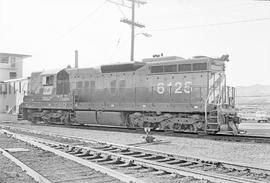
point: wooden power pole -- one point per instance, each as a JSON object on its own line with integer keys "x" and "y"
{"x": 133, "y": 24}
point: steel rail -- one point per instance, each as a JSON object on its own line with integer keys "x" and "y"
{"x": 32, "y": 173}
{"x": 33, "y": 141}
{"x": 180, "y": 170}
{"x": 216, "y": 137}
{"x": 134, "y": 148}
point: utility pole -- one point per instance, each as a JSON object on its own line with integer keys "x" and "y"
{"x": 133, "y": 25}
{"x": 132, "y": 30}
{"x": 131, "y": 22}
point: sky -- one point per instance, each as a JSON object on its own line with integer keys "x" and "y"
{"x": 51, "y": 30}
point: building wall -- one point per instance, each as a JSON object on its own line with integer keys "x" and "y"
{"x": 13, "y": 64}
{"x": 12, "y": 93}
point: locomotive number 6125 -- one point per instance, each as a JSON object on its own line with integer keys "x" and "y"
{"x": 175, "y": 87}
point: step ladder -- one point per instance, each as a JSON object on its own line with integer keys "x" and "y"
{"x": 213, "y": 101}
{"x": 212, "y": 124}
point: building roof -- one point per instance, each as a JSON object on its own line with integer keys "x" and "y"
{"x": 15, "y": 55}
{"x": 13, "y": 80}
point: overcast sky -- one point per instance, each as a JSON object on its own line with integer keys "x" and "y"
{"x": 50, "y": 31}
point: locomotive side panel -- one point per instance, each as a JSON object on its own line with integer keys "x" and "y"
{"x": 126, "y": 90}
{"x": 181, "y": 92}
{"x": 141, "y": 91}
{"x": 110, "y": 118}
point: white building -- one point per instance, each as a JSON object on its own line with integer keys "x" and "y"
{"x": 11, "y": 66}
{"x": 12, "y": 86}
{"x": 12, "y": 93}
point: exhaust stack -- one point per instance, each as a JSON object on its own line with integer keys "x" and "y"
{"x": 76, "y": 59}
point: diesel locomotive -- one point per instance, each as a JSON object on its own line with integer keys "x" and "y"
{"x": 163, "y": 93}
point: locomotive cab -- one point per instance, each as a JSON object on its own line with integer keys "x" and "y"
{"x": 194, "y": 88}
{"x": 49, "y": 97}
{"x": 220, "y": 113}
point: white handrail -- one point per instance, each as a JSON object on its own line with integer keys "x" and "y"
{"x": 208, "y": 96}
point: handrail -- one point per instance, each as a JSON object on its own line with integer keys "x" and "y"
{"x": 220, "y": 80}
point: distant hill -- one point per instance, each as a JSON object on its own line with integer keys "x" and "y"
{"x": 253, "y": 95}
{"x": 254, "y": 90}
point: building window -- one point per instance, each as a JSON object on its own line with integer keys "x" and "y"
{"x": 9, "y": 88}
{"x": 5, "y": 88}
{"x": 4, "y": 60}
{"x": 13, "y": 62}
{"x": 12, "y": 75}
{"x": 20, "y": 87}
{"x": 14, "y": 87}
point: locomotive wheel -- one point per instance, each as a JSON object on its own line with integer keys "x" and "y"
{"x": 66, "y": 119}
{"x": 190, "y": 128}
{"x": 166, "y": 125}
{"x": 33, "y": 119}
{"x": 177, "y": 127}
{"x": 158, "y": 126}
{"x": 198, "y": 126}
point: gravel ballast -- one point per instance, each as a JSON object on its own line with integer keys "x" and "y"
{"x": 251, "y": 154}
{"x": 49, "y": 165}
{"x": 12, "y": 173}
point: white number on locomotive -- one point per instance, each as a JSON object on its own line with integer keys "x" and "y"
{"x": 179, "y": 88}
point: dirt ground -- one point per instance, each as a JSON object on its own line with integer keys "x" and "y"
{"x": 253, "y": 128}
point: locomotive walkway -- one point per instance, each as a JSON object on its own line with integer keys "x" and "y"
{"x": 156, "y": 165}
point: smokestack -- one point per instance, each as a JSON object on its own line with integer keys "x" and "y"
{"x": 76, "y": 59}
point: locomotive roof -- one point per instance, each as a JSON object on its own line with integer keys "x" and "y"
{"x": 191, "y": 60}
{"x": 91, "y": 69}
{"x": 167, "y": 60}
{"x": 158, "y": 59}
{"x": 51, "y": 72}
{"x": 122, "y": 67}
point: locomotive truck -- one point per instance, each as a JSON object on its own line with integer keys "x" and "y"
{"x": 163, "y": 93}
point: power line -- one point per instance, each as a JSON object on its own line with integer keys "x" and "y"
{"x": 212, "y": 25}
{"x": 131, "y": 22}
{"x": 84, "y": 19}
{"x": 118, "y": 6}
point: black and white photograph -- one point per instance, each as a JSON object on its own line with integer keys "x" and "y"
{"x": 134, "y": 91}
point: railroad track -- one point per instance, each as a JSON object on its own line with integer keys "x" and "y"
{"x": 46, "y": 167}
{"x": 132, "y": 160}
{"x": 216, "y": 137}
